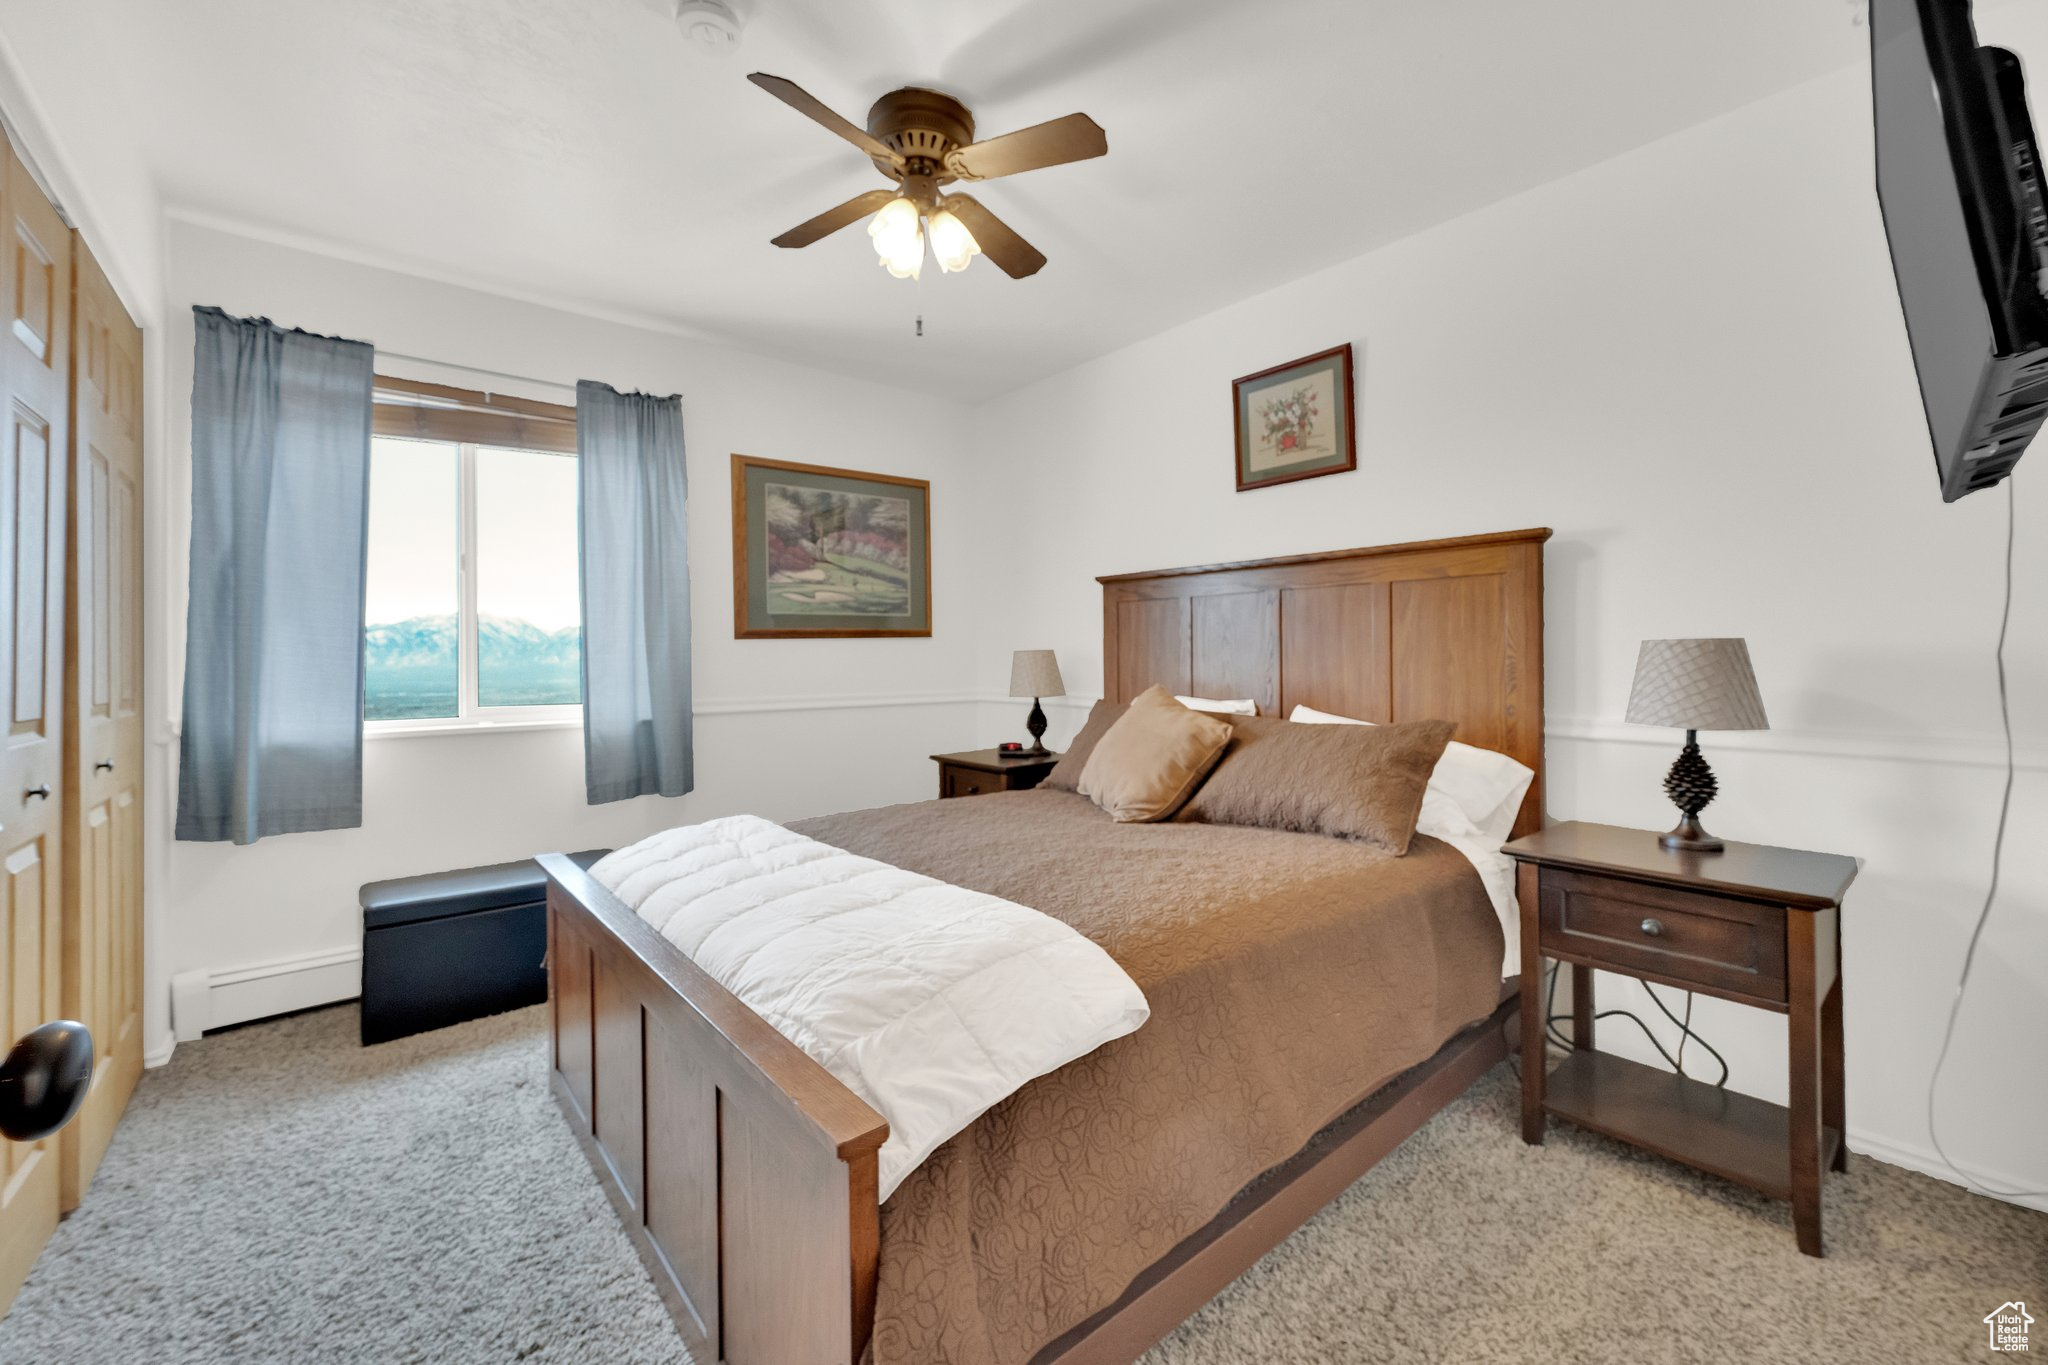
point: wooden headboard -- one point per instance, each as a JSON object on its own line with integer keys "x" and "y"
{"x": 1436, "y": 629}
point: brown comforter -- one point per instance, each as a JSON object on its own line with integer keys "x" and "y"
{"x": 1289, "y": 976}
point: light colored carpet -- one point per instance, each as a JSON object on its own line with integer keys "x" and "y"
{"x": 280, "y": 1194}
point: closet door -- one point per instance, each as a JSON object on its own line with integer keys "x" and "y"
{"x": 35, "y": 348}
{"x": 103, "y": 713}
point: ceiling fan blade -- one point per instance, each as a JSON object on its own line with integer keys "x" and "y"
{"x": 831, "y": 220}
{"x": 1011, "y": 253}
{"x": 1073, "y": 138}
{"x": 801, "y": 100}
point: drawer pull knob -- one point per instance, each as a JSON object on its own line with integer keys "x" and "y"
{"x": 1654, "y": 927}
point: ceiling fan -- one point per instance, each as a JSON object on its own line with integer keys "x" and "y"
{"x": 924, "y": 140}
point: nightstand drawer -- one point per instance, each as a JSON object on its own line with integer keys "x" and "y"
{"x": 968, "y": 781}
{"x": 1712, "y": 941}
{"x": 981, "y": 771}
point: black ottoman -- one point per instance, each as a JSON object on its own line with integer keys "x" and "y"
{"x": 451, "y": 946}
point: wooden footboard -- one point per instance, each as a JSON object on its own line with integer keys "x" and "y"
{"x": 743, "y": 1171}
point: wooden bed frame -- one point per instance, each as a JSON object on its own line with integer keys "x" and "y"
{"x": 745, "y": 1173}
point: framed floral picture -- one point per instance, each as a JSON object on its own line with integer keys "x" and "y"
{"x": 828, "y": 553}
{"x": 1294, "y": 420}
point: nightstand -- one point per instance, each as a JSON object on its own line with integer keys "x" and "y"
{"x": 990, "y": 770}
{"x": 1754, "y": 924}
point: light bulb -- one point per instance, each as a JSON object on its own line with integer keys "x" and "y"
{"x": 907, "y": 261}
{"x": 896, "y": 221}
{"x": 898, "y": 238}
{"x": 952, "y": 244}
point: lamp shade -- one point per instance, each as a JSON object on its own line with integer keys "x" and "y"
{"x": 1035, "y": 673}
{"x": 1696, "y": 685}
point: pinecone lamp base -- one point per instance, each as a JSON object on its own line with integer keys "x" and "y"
{"x": 1035, "y": 723}
{"x": 1689, "y": 836}
{"x": 1690, "y": 785}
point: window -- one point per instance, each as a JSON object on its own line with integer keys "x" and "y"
{"x": 529, "y": 609}
{"x": 472, "y": 607}
{"x": 412, "y": 597}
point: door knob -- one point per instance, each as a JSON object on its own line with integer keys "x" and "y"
{"x": 44, "y": 1080}
{"x": 105, "y": 765}
{"x": 40, "y": 792}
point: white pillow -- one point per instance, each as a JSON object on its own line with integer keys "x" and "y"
{"x": 1242, "y": 706}
{"x": 1485, "y": 786}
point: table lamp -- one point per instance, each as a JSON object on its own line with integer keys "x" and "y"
{"x": 1034, "y": 673}
{"x": 1694, "y": 685}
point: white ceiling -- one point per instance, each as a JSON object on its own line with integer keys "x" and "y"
{"x": 582, "y": 151}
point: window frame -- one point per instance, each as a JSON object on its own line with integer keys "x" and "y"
{"x": 471, "y": 421}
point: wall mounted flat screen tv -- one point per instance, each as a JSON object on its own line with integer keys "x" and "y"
{"x": 1960, "y": 187}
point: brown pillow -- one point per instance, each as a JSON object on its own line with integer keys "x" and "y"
{"x": 1066, "y": 774}
{"x": 1145, "y": 765}
{"x": 1356, "y": 781}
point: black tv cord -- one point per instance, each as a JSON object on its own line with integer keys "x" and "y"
{"x": 1685, "y": 1029}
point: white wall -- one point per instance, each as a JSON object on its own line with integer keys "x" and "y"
{"x": 785, "y": 727}
{"x": 79, "y": 137}
{"x": 1689, "y": 361}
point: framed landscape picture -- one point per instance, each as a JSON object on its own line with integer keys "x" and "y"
{"x": 1294, "y": 420}
{"x": 820, "y": 553}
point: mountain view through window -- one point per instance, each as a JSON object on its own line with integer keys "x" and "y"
{"x": 526, "y": 631}
{"x": 529, "y": 644}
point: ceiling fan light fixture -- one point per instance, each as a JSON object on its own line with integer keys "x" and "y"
{"x": 953, "y": 246}
{"x": 898, "y": 235}
{"x": 923, "y": 140}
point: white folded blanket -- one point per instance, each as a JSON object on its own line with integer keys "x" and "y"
{"x": 929, "y": 1001}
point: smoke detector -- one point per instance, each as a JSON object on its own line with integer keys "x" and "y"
{"x": 710, "y": 25}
